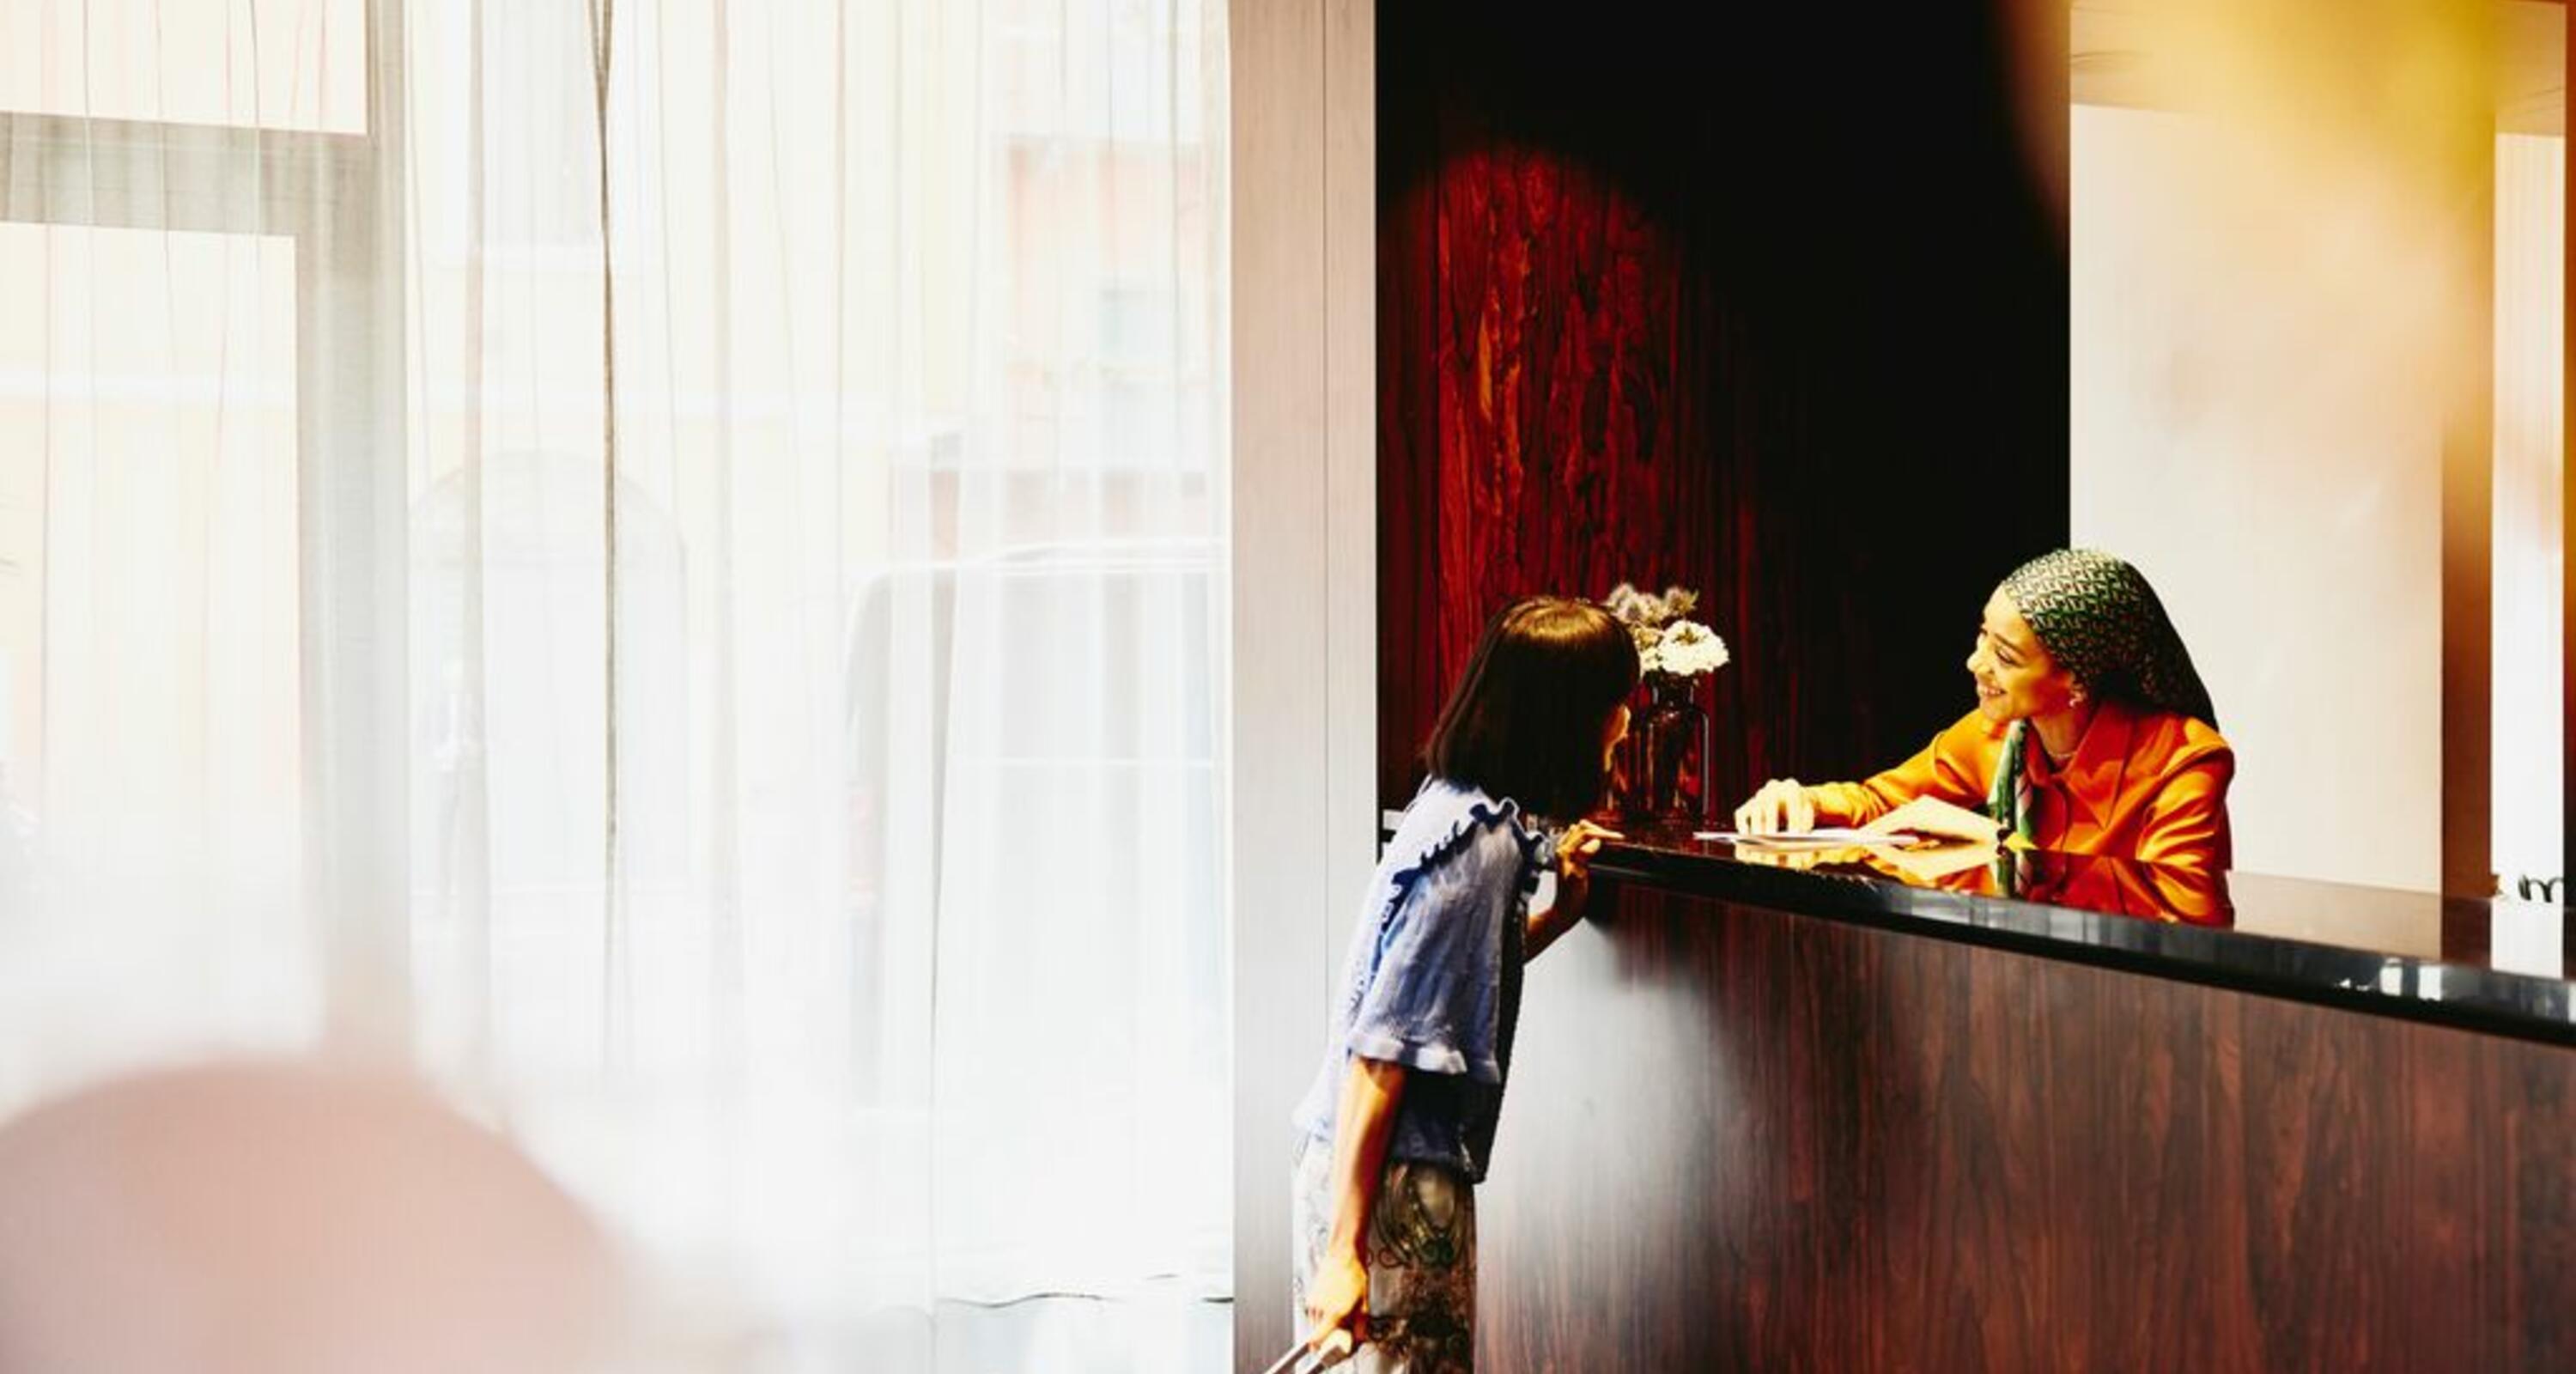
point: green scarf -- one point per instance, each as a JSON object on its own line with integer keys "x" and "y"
{"x": 2101, "y": 621}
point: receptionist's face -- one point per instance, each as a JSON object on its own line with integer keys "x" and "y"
{"x": 2015, "y": 677}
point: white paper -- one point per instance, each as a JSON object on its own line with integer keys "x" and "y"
{"x": 1812, "y": 839}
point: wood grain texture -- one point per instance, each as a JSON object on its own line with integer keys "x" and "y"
{"x": 1745, "y": 1139}
{"x": 1685, "y": 309}
{"x": 1300, "y": 843}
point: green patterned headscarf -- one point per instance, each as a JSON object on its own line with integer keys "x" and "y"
{"x": 2101, "y": 621}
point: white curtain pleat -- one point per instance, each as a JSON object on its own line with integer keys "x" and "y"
{"x": 827, "y": 890}
{"x": 153, "y": 542}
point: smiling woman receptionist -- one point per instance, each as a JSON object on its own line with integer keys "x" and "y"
{"x": 2092, "y": 733}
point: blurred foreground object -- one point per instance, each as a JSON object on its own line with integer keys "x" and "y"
{"x": 280, "y": 1218}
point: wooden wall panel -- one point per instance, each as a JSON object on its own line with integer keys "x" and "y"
{"x": 1760, "y": 310}
{"x": 1303, "y": 776}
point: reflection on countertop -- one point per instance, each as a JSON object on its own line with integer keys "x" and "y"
{"x": 2499, "y": 965}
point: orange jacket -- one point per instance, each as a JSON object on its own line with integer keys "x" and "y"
{"x": 2145, "y": 785}
{"x": 2086, "y": 882}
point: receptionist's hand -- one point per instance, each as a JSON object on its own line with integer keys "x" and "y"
{"x": 1801, "y": 860}
{"x": 1937, "y": 821}
{"x": 1783, "y": 807}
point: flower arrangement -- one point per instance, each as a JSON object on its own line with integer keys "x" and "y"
{"x": 1662, "y": 768}
{"x": 1669, "y": 643}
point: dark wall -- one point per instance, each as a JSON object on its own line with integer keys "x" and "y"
{"x": 1775, "y": 310}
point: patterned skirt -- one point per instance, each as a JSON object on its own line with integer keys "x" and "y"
{"x": 1421, "y": 1262}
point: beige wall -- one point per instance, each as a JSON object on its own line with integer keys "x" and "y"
{"x": 2530, "y": 543}
{"x": 2252, "y": 428}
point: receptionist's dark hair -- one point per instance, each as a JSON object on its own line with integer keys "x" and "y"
{"x": 1525, "y": 719}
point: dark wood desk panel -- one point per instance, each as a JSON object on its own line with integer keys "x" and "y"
{"x": 1740, "y": 1138}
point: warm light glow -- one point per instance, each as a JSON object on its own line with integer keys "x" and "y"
{"x": 2278, "y": 289}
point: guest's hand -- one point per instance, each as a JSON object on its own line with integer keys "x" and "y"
{"x": 1337, "y": 1300}
{"x": 1575, "y": 848}
{"x": 1574, "y": 851}
{"x": 1784, "y": 806}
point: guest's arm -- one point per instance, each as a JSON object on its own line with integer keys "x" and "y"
{"x": 1338, "y": 1295}
{"x": 1574, "y": 851}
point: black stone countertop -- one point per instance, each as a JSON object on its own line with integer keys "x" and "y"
{"x": 2500, "y": 967}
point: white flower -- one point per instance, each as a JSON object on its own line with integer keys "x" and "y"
{"x": 1631, "y": 606}
{"x": 1687, "y": 649}
{"x": 1666, "y": 641}
{"x": 1646, "y": 608}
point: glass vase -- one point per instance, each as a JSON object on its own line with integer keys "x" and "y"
{"x": 1667, "y": 770}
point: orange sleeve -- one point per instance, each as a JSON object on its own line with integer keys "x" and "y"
{"x": 2186, "y": 823}
{"x": 1951, "y": 768}
{"x": 2196, "y": 895}
{"x": 2112, "y": 884}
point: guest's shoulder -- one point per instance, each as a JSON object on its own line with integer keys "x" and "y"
{"x": 1449, "y": 820}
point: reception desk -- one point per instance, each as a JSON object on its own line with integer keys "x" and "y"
{"x": 1772, "y": 1118}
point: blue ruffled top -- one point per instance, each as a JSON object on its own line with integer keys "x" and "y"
{"x": 1433, "y": 977}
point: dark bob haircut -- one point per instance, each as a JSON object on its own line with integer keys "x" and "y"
{"x": 1525, "y": 719}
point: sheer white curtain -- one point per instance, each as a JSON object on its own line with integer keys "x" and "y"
{"x": 182, "y": 255}
{"x": 688, "y": 604}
